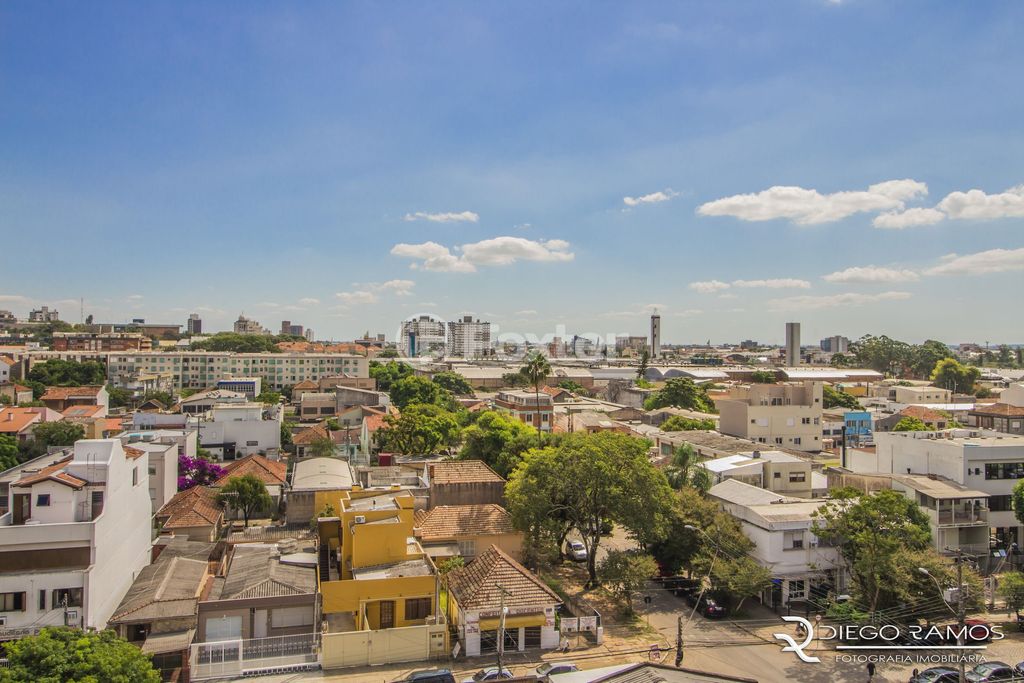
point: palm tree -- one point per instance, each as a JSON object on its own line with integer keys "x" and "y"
{"x": 683, "y": 470}
{"x": 536, "y": 370}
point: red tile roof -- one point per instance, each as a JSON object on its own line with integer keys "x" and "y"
{"x": 133, "y": 453}
{"x": 16, "y": 420}
{"x": 999, "y": 410}
{"x": 462, "y": 472}
{"x": 924, "y": 414}
{"x": 476, "y": 586}
{"x": 64, "y": 393}
{"x": 311, "y": 434}
{"x": 54, "y": 472}
{"x": 195, "y": 507}
{"x": 82, "y": 411}
{"x": 448, "y": 521}
{"x": 305, "y": 384}
{"x": 270, "y": 472}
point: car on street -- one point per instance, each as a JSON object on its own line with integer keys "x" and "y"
{"x": 429, "y": 676}
{"x": 576, "y": 550}
{"x": 490, "y": 674}
{"x": 937, "y": 674}
{"x": 554, "y": 668}
{"x": 987, "y": 672}
{"x": 706, "y": 606}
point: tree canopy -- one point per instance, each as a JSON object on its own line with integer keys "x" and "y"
{"x": 68, "y": 373}
{"x": 239, "y": 343}
{"x": 453, "y": 382}
{"x": 197, "y": 472}
{"x": 681, "y": 392}
{"x": 681, "y": 423}
{"x": 8, "y": 452}
{"x": 421, "y": 429}
{"x": 953, "y": 375}
{"x": 388, "y": 373}
{"x": 834, "y": 398}
{"x": 62, "y": 655}
{"x": 414, "y": 389}
{"x": 247, "y": 494}
{"x": 910, "y": 424}
{"x": 499, "y": 440}
{"x": 57, "y": 433}
{"x": 624, "y": 573}
{"x": 683, "y": 470}
{"x": 763, "y": 377}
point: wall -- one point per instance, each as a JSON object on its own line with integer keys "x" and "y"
{"x": 362, "y": 648}
{"x": 472, "y": 493}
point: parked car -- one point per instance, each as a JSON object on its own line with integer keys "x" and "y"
{"x": 429, "y": 676}
{"x": 490, "y": 674}
{"x": 706, "y": 606}
{"x": 992, "y": 671}
{"x": 576, "y": 550}
{"x": 553, "y": 668}
{"x": 938, "y": 674}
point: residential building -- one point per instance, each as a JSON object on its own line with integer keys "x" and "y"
{"x": 162, "y": 458}
{"x": 247, "y": 326}
{"x": 77, "y": 534}
{"x": 835, "y": 344}
{"x": 139, "y": 384}
{"x": 101, "y": 341}
{"x": 989, "y": 464}
{"x": 793, "y": 355}
{"x": 273, "y": 474}
{"x": 536, "y": 410}
{"x": 231, "y": 431}
{"x": 314, "y": 477}
{"x": 19, "y": 421}
{"x": 775, "y": 471}
{"x": 203, "y": 369}
{"x": 376, "y": 582}
{"x": 43, "y": 315}
{"x": 7, "y": 318}
{"x": 629, "y": 345}
{"x": 423, "y": 336}
{"x": 62, "y": 398}
{"x": 194, "y": 325}
{"x": 294, "y": 330}
{"x": 802, "y": 565}
{"x": 921, "y": 395}
{"x": 468, "y": 338}
{"x": 204, "y": 401}
{"x": 250, "y": 387}
{"x": 933, "y": 419}
{"x": 776, "y": 414}
{"x": 5, "y": 369}
{"x": 494, "y": 583}
{"x": 16, "y": 393}
{"x": 655, "y": 335}
{"x": 463, "y": 482}
{"x": 194, "y": 514}
{"x": 467, "y": 530}
{"x": 309, "y": 334}
{"x": 1000, "y": 417}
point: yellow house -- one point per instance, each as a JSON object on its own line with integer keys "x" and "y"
{"x": 379, "y": 589}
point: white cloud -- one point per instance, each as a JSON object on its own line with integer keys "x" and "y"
{"x": 135, "y": 297}
{"x": 686, "y": 313}
{"x": 13, "y": 299}
{"x": 811, "y": 303}
{"x": 652, "y": 198}
{"x": 446, "y": 217}
{"x": 528, "y": 311}
{"x": 810, "y": 207}
{"x": 709, "y": 286}
{"x": 370, "y": 292}
{"x": 872, "y": 274}
{"x": 779, "y": 283}
{"x": 911, "y": 218}
{"x": 309, "y": 301}
{"x": 497, "y": 251}
{"x": 981, "y": 263}
{"x": 975, "y": 204}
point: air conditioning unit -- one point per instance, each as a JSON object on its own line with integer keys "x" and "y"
{"x": 360, "y": 519}
{"x": 3, "y": 621}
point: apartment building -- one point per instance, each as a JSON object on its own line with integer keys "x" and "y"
{"x": 775, "y": 471}
{"x": 232, "y": 431}
{"x": 249, "y": 326}
{"x": 77, "y": 534}
{"x": 201, "y": 369}
{"x": 62, "y": 398}
{"x": 787, "y": 415}
{"x": 989, "y": 464}
{"x": 468, "y": 338}
{"x": 251, "y": 387}
{"x": 101, "y": 341}
{"x": 421, "y": 336}
{"x": 536, "y": 410}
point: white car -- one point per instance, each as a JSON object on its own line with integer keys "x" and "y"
{"x": 576, "y": 550}
{"x": 491, "y": 674}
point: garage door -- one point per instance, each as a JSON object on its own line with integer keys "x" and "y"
{"x": 223, "y": 628}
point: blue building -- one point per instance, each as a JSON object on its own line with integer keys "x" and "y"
{"x": 858, "y": 428}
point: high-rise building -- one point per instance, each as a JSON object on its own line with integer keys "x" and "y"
{"x": 422, "y": 335}
{"x": 43, "y": 315}
{"x": 792, "y": 344}
{"x": 835, "y": 344}
{"x": 194, "y": 324}
{"x": 246, "y": 326}
{"x": 655, "y": 335}
{"x": 288, "y": 329}
{"x": 468, "y": 338}
{"x": 308, "y": 334}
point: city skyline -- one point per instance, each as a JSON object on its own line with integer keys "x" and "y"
{"x": 849, "y": 165}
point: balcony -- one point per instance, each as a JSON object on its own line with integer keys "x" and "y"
{"x": 972, "y": 517}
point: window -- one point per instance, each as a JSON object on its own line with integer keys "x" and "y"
{"x": 72, "y": 595}
{"x": 797, "y": 589}
{"x": 1004, "y": 470}
{"x": 12, "y": 602}
{"x": 778, "y": 440}
{"x": 805, "y": 420}
{"x": 467, "y": 548}
{"x": 252, "y": 443}
{"x": 796, "y": 440}
{"x": 417, "y": 608}
{"x": 793, "y": 540}
{"x": 43, "y": 500}
{"x": 135, "y": 476}
{"x": 796, "y": 477}
{"x": 1000, "y": 503}
{"x": 42, "y": 601}
{"x": 777, "y": 475}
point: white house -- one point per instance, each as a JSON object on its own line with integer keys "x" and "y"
{"x": 780, "y": 528}
{"x": 233, "y": 431}
{"x": 77, "y": 534}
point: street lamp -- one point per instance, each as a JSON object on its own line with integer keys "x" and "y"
{"x": 958, "y": 612}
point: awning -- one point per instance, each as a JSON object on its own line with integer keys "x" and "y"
{"x": 176, "y": 641}
{"x": 520, "y": 620}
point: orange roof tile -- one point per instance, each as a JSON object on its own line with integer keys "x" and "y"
{"x": 999, "y": 410}
{"x": 305, "y": 384}
{"x": 924, "y": 414}
{"x": 311, "y": 434}
{"x": 133, "y": 453}
{"x": 82, "y": 411}
{"x": 448, "y": 521}
{"x": 462, "y": 472}
{"x": 479, "y": 585}
{"x": 16, "y": 420}
{"x": 54, "y": 472}
{"x": 194, "y": 507}
{"x": 268, "y": 471}
{"x": 64, "y": 393}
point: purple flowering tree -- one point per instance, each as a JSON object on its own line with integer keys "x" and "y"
{"x": 197, "y": 472}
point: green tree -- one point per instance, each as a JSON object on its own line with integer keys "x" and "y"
{"x": 625, "y": 573}
{"x": 586, "y": 481}
{"x": 679, "y": 423}
{"x": 61, "y": 655}
{"x": 247, "y": 494}
{"x": 536, "y": 369}
{"x": 68, "y": 373}
{"x": 840, "y": 360}
{"x": 763, "y": 377}
{"x": 59, "y": 433}
{"x": 119, "y": 398}
{"x": 165, "y": 397}
{"x": 910, "y": 424}
{"x": 1017, "y": 499}
{"x": 239, "y": 343}
{"x": 450, "y": 563}
{"x": 286, "y": 436}
{"x": 681, "y": 392}
{"x": 835, "y": 398}
{"x": 1011, "y": 589}
{"x": 684, "y": 470}
{"x": 684, "y": 547}
{"x": 875, "y": 534}
{"x": 453, "y": 382}
{"x": 388, "y": 373}
{"x": 574, "y": 387}
{"x": 388, "y": 353}
{"x": 270, "y": 398}
{"x": 332, "y": 424}
{"x": 421, "y": 429}
{"x": 322, "y": 447}
{"x": 882, "y": 354}
{"x": 1005, "y": 357}
{"x": 925, "y": 356}
{"x": 8, "y": 452}
{"x": 740, "y": 576}
{"x": 641, "y": 368}
{"x": 497, "y": 439}
{"x": 953, "y": 375}
{"x": 415, "y": 389}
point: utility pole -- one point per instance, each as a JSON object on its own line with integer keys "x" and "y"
{"x": 679, "y": 641}
{"x": 960, "y": 611}
{"x": 501, "y": 627}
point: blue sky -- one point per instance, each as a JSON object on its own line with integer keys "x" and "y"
{"x": 344, "y": 165}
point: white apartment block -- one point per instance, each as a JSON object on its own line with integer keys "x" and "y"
{"x": 77, "y": 534}
{"x": 468, "y": 338}
{"x": 200, "y": 369}
{"x": 988, "y": 464}
{"x": 787, "y": 415}
{"x": 422, "y": 336}
{"x": 234, "y": 431}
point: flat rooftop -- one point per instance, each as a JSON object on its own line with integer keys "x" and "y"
{"x": 394, "y": 570}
